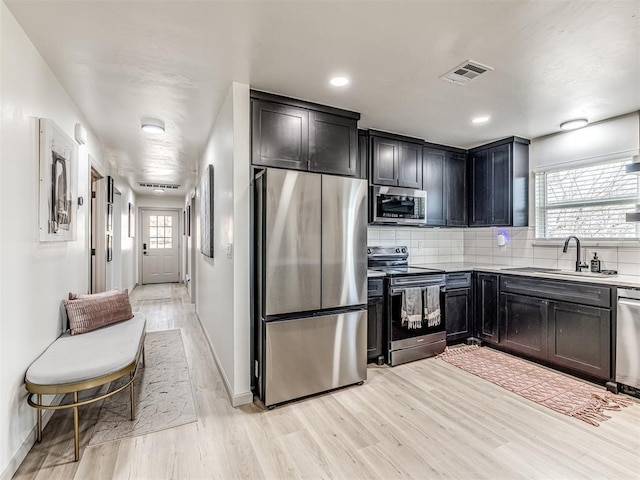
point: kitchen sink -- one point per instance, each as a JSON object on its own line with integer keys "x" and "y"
{"x": 532, "y": 269}
{"x": 557, "y": 271}
{"x": 583, "y": 274}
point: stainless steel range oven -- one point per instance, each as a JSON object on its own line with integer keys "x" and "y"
{"x": 408, "y": 344}
{"x": 409, "y": 341}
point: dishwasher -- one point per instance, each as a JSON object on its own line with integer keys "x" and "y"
{"x": 628, "y": 339}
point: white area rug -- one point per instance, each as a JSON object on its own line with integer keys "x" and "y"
{"x": 163, "y": 393}
{"x": 159, "y": 291}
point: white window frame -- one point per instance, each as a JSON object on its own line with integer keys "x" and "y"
{"x": 541, "y": 208}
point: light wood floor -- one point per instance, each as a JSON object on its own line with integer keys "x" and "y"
{"x": 422, "y": 420}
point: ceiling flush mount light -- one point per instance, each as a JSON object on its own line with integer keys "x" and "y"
{"x": 573, "y": 124}
{"x": 339, "y": 81}
{"x": 480, "y": 120}
{"x": 152, "y": 125}
{"x": 158, "y": 190}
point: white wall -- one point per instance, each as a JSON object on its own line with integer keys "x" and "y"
{"x": 160, "y": 201}
{"x": 34, "y": 276}
{"x": 222, "y": 291}
{"x": 129, "y": 252}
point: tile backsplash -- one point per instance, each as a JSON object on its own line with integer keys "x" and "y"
{"x": 480, "y": 246}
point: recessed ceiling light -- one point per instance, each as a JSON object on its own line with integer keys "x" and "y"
{"x": 481, "y": 120}
{"x": 573, "y": 124}
{"x": 152, "y": 125}
{"x": 158, "y": 190}
{"x": 339, "y": 81}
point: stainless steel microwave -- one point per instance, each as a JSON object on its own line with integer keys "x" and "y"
{"x": 395, "y": 205}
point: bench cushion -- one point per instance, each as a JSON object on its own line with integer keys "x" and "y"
{"x": 82, "y": 357}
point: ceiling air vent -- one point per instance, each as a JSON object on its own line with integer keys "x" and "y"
{"x": 465, "y": 72}
{"x": 159, "y": 185}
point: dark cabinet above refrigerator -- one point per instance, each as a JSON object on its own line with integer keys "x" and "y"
{"x": 298, "y": 135}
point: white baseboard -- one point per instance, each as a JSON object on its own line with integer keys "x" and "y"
{"x": 21, "y": 454}
{"x": 236, "y": 399}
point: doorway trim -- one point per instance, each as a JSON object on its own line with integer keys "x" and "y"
{"x": 97, "y": 228}
{"x": 140, "y": 236}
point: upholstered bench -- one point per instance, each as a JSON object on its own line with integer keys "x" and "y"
{"x": 73, "y": 363}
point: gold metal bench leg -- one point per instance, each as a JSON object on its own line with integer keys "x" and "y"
{"x": 39, "y": 438}
{"x": 76, "y": 433}
{"x": 133, "y": 404}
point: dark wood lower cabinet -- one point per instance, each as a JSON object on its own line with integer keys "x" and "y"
{"x": 523, "y": 324}
{"x": 458, "y": 314}
{"x": 537, "y": 322}
{"x": 580, "y": 338}
{"x": 486, "y": 306}
{"x": 375, "y": 322}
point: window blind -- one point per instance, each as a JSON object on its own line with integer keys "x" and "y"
{"x": 588, "y": 201}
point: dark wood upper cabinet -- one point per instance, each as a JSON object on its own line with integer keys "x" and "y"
{"x": 333, "y": 144}
{"x": 434, "y": 182}
{"x": 396, "y": 161}
{"x": 299, "y": 135}
{"x": 363, "y": 154}
{"x": 456, "y": 189}
{"x": 444, "y": 177}
{"x": 499, "y": 182}
{"x": 410, "y": 165}
{"x": 384, "y": 161}
{"x": 279, "y": 135}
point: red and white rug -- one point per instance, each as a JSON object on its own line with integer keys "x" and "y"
{"x": 554, "y": 390}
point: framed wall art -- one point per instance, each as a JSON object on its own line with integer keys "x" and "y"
{"x": 109, "y": 247}
{"x": 58, "y": 190}
{"x": 109, "y": 217}
{"x": 188, "y": 220}
{"x": 206, "y": 212}
{"x": 110, "y": 189}
{"x": 132, "y": 220}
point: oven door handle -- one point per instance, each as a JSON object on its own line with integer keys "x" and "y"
{"x": 399, "y": 290}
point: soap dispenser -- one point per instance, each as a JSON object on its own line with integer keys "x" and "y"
{"x": 595, "y": 263}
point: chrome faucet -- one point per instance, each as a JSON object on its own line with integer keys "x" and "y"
{"x": 579, "y": 265}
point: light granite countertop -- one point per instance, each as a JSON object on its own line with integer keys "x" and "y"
{"x": 585, "y": 277}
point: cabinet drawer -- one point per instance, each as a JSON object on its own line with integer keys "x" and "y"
{"x": 458, "y": 280}
{"x": 374, "y": 287}
{"x": 582, "y": 293}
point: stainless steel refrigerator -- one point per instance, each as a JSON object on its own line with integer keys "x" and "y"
{"x": 311, "y": 283}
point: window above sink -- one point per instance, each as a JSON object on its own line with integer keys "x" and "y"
{"x": 589, "y": 201}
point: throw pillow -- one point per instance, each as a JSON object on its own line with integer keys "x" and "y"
{"x": 108, "y": 293}
{"x": 87, "y": 314}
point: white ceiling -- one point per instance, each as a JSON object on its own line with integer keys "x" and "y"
{"x": 175, "y": 60}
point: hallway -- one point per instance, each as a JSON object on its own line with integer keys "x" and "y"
{"x": 426, "y": 419}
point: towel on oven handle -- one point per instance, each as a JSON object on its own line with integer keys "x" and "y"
{"x": 432, "y": 306}
{"x": 411, "y": 312}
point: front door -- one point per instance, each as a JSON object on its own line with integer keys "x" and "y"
{"x": 160, "y": 249}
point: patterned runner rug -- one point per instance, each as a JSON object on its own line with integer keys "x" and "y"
{"x": 554, "y": 390}
{"x": 162, "y": 389}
